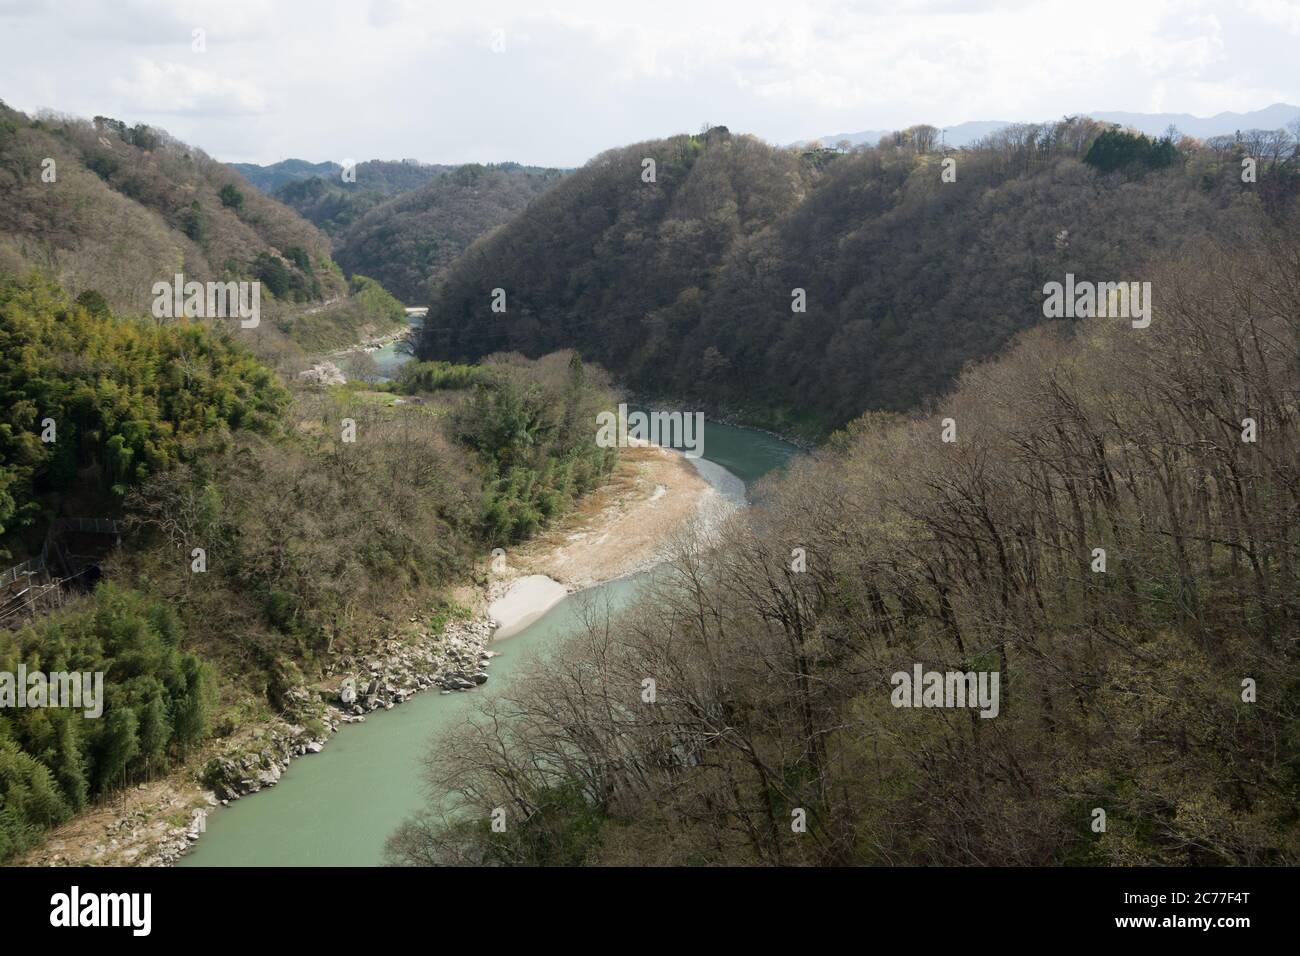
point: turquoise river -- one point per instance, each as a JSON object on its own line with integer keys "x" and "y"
{"x": 337, "y": 807}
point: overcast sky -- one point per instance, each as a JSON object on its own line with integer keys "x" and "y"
{"x": 556, "y": 83}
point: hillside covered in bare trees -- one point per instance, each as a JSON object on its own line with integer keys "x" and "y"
{"x": 797, "y": 289}
{"x": 1114, "y": 528}
{"x": 100, "y": 205}
{"x": 412, "y": 239}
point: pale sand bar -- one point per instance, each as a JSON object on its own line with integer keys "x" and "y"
{"x": 621, "y": 528}
{"x": 527, "y": 599}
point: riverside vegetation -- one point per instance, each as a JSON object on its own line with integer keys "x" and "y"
{"x": 197, "y": 435}
{"x": 1161, "y": 687}
{"x": 312, "y": 545}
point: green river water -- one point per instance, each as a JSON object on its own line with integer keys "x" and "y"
{"x": 337, "y": 807}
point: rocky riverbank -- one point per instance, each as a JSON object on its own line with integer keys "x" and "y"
{"x": 156, "y": 824}
{"x": 455, "y": 660}
{"x": 621, "y": 528}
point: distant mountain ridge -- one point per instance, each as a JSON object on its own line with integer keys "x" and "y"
{"x": 1276, "y": 116}
{"x": 398, "y": 221}
{"x": 963, "y": 134}
{"x": 410, "y": 240}
{"x": 272, "y": 177}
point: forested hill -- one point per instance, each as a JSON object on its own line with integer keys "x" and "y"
{"x": 110, "y": 208}
{"x": 685, "y": 286}
{"x": 402, "y": 223}
{"x": 271, "y": 177}
{"x": 1111, "y": 530}
{"x": 334, "y": 203}
{"x": 414, "y": 237}
{"x": 312, "y": 550}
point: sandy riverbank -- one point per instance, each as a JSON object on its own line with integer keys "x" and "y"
{"x": 524, "y": 601}
{"x": 624, "y": 527}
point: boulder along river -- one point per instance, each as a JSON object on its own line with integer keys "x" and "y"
{"x": 336, "y": 808}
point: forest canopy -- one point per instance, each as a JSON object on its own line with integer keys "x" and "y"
{"x": 1114, "y": 530}
{"x": 93, "y": 404}
{"x": 129, "y": 206}
{"x": 798, "y": 288}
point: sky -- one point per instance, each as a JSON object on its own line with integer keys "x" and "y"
{"x": 557, "y": 83}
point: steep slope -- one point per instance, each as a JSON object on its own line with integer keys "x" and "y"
{"x": 108, "y": 211}
{"x": 605, "y": 260}
{"x": 686, "y": 287}
{"x": 413, "y": 238}
{"x": 333, "y": 203}
{"x": 1099, "y": 550}
{"x": 114, "y": 209}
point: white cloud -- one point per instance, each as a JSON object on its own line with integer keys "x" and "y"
{"x": 175, "y": 88}
{"x": 392, "y": 78}
{"x": 1281, "y": 13}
